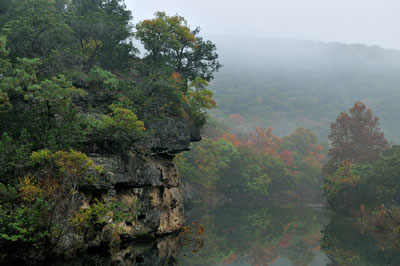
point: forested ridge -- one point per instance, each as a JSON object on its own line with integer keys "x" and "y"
{"x": 287, "y": 84}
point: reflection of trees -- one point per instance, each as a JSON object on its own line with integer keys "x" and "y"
{"x": 346, "y": 244}
{"x": 299, "y": 254}
{"x": 257, "y": 234}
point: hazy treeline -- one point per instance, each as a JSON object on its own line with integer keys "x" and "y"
{"x": 287, "y": 84}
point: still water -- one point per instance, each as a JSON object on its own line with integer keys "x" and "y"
{"x": 267, "y": 233}
{"x": 282, "y": 234}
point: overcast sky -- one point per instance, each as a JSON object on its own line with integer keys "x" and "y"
{"x": 372, "y": 22}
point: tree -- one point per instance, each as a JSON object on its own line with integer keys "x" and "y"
{"x": 169, "y": 41}
{"x": 103, "y": 30}
{"x": 34, "y": 29}
{"x": 301, "y": 141}
{"x": 355, "y": 137}
{"x": 342, "y": 189}
{"x": 384, "y": 177}
{"x": 263, "y": 141}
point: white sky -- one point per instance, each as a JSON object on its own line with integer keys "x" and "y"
{"x": 372, "y": 22}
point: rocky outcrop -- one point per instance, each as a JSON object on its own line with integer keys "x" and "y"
{"x": 150, "y": 181}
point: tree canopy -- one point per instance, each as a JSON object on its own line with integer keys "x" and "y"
{"x": 356, "y": 137}
{"x": 168, "y": 40}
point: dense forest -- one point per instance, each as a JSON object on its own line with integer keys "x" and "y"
{"x": 283, "y": 126}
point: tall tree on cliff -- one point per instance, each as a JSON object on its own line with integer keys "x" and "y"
{"x": 170, "y": 42}
{"x": 355, "y": 137}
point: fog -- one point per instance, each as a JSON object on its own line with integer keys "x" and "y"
{"x": 369, "y": 22}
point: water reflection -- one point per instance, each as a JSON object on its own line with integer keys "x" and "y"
{"x": 258, "y": 234}
{"x": 163, "y": 251}
{"x": 268, "y": 233}
{"x": 353, "y": 243}
{"x": 282, "y": 234}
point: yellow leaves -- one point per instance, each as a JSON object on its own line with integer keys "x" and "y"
{"x": 73, "y": 162}
{"x": 202, "y": 98}
{"x": 29, "y": 189}
{"x": 165, "y": 34}
{"x": 124, "y": 119}
{"x": 40, "y": 156}
{"x": 64, "y": 170}
{"x": 90, "y": 46}
{"x": 200, "y": 231}
{"x": 341, "y": 180}
{"x": 99, "y": 168}
{"x": 198, "y": 96}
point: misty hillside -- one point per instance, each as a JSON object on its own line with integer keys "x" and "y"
{"x": 287, "y": 83}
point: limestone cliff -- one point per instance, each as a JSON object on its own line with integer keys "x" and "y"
{"x": 150, "y": 179}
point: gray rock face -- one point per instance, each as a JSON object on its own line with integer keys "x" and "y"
{"x": 133, "y": 170}
{"x": 151, "y": 181}
{"x": 171, "y": 135}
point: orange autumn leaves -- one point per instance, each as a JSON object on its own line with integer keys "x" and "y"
{"x": 257, "y": 165}
{"x": 297, "y": 148}
{"x": 260, "y": 141}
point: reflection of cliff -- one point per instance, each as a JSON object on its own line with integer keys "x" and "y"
{"x": 162, "y": 251}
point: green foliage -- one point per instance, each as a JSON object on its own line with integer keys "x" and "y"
{"x": 383, "y": 177}
{"x": 26, "y": 224}
{"x": 102, "y": 31}
{"x": 34, "y": 29}
{"x": 204, "y": 165}
{"x": 168, "y": 40}
{"x": 238, "y": 169}
{"x": 258, "y": 165}
{"x": 122, "y": 121}
{"x": 346, "y": 191}
{"x": 199, "y": 99}
{"x": 14, "y": 155}
{"x": 103, "y": 79}
{"x": 35, "y": 210}
{"x": 101, "y": 213}
{"x": 300, "y": 141}
{"x": 42, "y": 107}
{"x": 121, "y": 128}
{"x": 368, "y": 171}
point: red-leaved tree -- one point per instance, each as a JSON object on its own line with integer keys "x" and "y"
{"x": 355, "y": 137}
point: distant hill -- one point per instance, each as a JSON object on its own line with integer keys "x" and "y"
{"x": 288, "y": 83}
